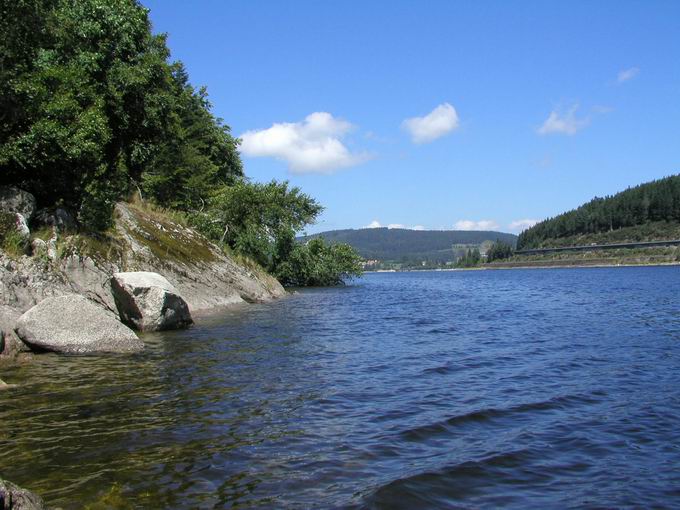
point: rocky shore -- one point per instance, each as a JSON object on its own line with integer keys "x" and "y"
{"x": 149, "y": 266}
{"x": 64, "y": 291}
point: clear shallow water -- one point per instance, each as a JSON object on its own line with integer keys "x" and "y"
{"x": 517, "y": 389}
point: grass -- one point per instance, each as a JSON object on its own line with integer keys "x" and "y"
{"x": 168, "y": 239}
{"x": 14, "y": 244}
{"x": 11, "y": 241}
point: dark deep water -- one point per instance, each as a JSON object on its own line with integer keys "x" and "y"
{"x": 518, "y": 389}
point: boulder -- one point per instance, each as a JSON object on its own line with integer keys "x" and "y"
{"x": 14, "y": 200}
{"x": 73, "y": 324}
{"x": 13, "y": 497}
{"x": 59, "y": 218}
{"x": 148, "y": 302}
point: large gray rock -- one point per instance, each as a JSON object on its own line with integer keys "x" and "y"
{"x": 13, "y": 199}
{"x": 13, "y": 497}
{"x": 149, "y": 302}
{"x": 74, "y": 324}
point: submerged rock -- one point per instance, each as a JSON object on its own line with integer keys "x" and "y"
{"x": 13, "y": 497}
{"x": 74, "y": 324}
{"x": 148, "y": 302}
{"x": 14, "y": 200}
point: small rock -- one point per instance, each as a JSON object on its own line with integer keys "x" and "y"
{"x": 12, "y": 199}
{"x": 52, "y": 253}
{"x": 13, "y": 497}
{"x": 38, "y": 247}
{"x": 22, "y": 226}
{"x": 73, "y": 324}
{"x": 148, "y": 302}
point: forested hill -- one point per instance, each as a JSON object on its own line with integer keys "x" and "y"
{"x": 396, "y": 244}
{"x": 649, "y": 211}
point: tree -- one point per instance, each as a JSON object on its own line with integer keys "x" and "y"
{"x": 499, "y": 251}
{"x": 198, "y": 155}
{"x": 88, "y": 102}
{"x": 258, "y": 220}
{"x": 472, "y": 258}
{"x": 317, "y": 263}
{"x": 653, "y": 201}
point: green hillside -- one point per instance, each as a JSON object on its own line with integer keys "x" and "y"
{"x": 649, "y": 211}
{"x": 410, "y": 246}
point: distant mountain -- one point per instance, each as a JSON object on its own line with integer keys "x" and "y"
{"x": 649, "y": 211}
{"x": 411, "y": 246}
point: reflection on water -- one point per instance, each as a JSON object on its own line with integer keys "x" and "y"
{"x": 507, "y": 388}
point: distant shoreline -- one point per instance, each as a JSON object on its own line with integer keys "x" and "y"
{"x": 547, "y": 266}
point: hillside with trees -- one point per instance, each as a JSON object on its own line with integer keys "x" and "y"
{"x": 649, "y": 211}
{"x": 92, "y": 111}
{"x": 412, "y": 246}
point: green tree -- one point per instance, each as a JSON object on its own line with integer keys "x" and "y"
{"x": 87, "y": 104}
{"x": 197, "y": 156}
{"x": 317, "y": 263}
{"x": 499, "y": 251}
{"x": 258, "y": 220}
{"x": 471, "y": 258}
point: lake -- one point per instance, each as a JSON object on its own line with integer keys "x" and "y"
{"x": 479, "y": 389}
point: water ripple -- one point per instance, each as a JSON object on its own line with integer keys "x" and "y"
{"x": 514, "y": 389}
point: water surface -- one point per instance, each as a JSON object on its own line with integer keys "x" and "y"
{"x": 516, "y": 389}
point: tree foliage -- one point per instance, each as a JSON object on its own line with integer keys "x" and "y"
{"x": 198, "y": 154}
{"x": 471, "y": 258}
{"x": 92, "y": 109}
{"x": 257, "y": 220}
{"x": 653, "y": 201}
{"x": 499, "y": 251}
{"x": 88, "y": 103}
{"x": 317, "y": 263}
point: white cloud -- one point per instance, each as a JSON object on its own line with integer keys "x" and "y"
{"x": 396, "y": 225}
{"x": 519, "y": 225}
{"x": 476, "y": 225}
{"x": 627, "y": 74}
{"x": 373, "y": 224}
{"x": 311, "y": 146}
{"x": 417, "y": 227}
{"x": 566, "y": 123}
{"x": 435, "y": 124}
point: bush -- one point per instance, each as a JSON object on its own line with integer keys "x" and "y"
{"x": 319, "y": 264}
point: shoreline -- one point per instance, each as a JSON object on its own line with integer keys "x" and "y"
{"x": 526, "y": 266}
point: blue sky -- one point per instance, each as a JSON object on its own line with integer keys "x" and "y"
{"x": 518, "y": 110}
